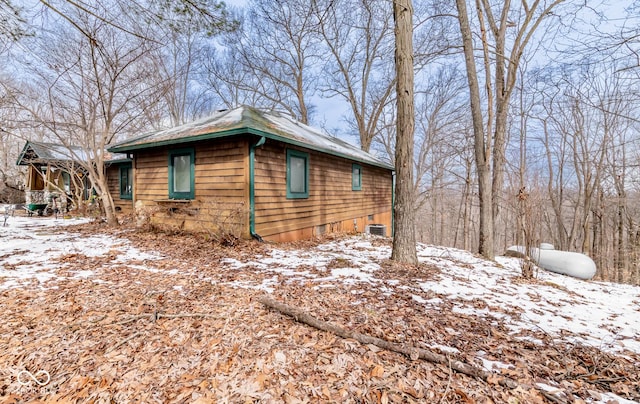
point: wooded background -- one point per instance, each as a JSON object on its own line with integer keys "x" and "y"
{"x": 562, "y": 165}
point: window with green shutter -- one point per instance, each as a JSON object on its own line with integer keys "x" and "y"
{"x": 126, "y": 181}
{"x": 297, "y": 174}
{"x": 356, "y": 177}
{"x": 182, "y": 174}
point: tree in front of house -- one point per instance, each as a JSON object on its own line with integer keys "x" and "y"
{"x": 404, "y": 239}
{"x": 85, "y": 91}
{"x": 358, "y": 68}
{"x": 10, "y": 175}
{"x": 89, "y": 70}
{"x": 276, "y": 49}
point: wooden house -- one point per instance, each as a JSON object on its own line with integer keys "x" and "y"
{"x": 120, "y": 182}
{"x": 52, "y": 173}
{"x": 55, "y": 171}
{"x": 253, "y": 173}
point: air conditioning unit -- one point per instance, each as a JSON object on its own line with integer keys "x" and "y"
{"x": 377, "y": 230}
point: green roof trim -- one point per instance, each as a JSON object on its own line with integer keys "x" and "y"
{"x": 122, "y": 148}
{"x": 55, "y": 153}
{"x": 249, "y": 120}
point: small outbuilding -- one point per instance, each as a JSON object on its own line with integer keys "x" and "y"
{"x": 52, "y": 174}
{"x": 56, "y": 176}
{"x": 253, "y": 173}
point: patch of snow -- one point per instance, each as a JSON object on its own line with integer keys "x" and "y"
{"x": 418, "y": 299}
{"x": 318, "y": 138}
{"x": 267, "y": 285}
{"x": 609, "y": 398}
{"x": 352, "y": 275}
{"x": 493, "y": 365}
{"x": 31, "y": 249}
{"x": 444, "y": 348}
{"x": 555, "y": 304}
{"x": 598, "y": 398}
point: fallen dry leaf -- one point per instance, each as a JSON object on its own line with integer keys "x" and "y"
{"x": 104, "y": 339}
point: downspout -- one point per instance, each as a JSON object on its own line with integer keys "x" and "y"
{"x": 252, "y": 189}
{"x": 393, "y": 203}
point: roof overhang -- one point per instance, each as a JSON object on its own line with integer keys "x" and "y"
{"x": 32, "y": 153}
{"x": 240, "y": 131}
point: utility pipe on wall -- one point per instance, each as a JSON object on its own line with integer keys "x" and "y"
{"x": 252, "y": 188}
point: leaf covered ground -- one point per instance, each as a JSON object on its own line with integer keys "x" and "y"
{"x": 123, "y": 315}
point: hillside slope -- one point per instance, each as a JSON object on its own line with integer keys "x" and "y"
{"x": 128, "y": 315}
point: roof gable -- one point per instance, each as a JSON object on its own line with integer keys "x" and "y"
{"x": 44, "y": 153}
{"x": 250, "y": 120}
{"x": 54, "y": 153}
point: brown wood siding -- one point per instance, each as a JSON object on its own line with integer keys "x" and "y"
{"x": 113, "y": 182}
{"x": 220, "y": 201}
{"x": 35, "y": 180}
{"x": 331, "y": 198}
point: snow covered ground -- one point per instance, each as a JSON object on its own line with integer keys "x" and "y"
{"x": 599, "y": 314}
{"x": 30, "y": 249}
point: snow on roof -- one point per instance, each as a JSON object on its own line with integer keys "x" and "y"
{"x": 39, "y": 152}
{"x": 43, "y": 152}
{"x": 245, "y": 119}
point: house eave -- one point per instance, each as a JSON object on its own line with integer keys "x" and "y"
{"x": 117, "y": 161}
{"x": 251, "y": 131}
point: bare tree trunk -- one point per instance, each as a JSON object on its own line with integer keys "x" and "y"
{"x": 485, "y": 241}
{"x": 404, "y": 240}
{"x": 623, "y": 250}
{"x": 503, "y": 57}
{"x": 634, "y": 245}
{"x": 468, "y": 186}
{"x": 598, "y": 239}
{"x": 556, "y": 196}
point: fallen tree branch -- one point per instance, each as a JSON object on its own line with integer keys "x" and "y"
{"x": 184, "y": 315}
{"x": 446, "y": 390}
{"x": 124, "y": 341}
{"x": 134, "y": 318}
{"x": 156, "y": 315}
{"x": 412, "y": 352}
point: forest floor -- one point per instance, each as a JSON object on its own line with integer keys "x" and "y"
{"x": 95, "y": 314}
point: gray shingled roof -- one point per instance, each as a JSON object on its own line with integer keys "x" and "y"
{"x": 45, "y": 153}
{"x": 41, "y": 152}
{"x": 244, "y": 119}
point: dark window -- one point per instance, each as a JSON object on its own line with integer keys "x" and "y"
{"x": 126, "y": 181}
{"x": 66, "y": 178}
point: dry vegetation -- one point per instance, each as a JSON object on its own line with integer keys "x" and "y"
{"x": 185, "y": 334}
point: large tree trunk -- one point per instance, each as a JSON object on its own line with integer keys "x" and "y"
{"x": 404, "y": 239}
